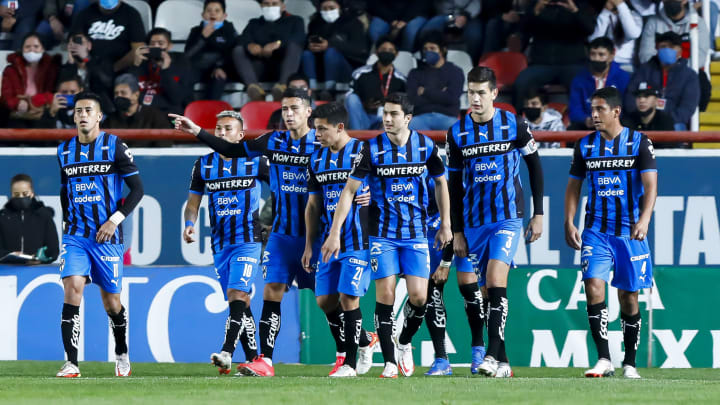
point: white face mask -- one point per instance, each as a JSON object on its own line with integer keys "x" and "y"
{"x": 271, "y": 13}
{"x": 32, "y": 57}
{"x": 330, "y": 16}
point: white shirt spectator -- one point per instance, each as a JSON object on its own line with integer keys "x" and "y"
{"x": 631, "y": 23}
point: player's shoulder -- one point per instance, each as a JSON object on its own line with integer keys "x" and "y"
{"x": 424, "y": 140}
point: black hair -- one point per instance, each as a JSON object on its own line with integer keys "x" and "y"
{"x": 87, "y": 95}
{"x": 30, "y": 35}
{"x": 21, "y": 177}
{"x": 383, "y": 39}
{"x": 159, "y": 31}
{"x": 672, "y": 37}
{"x": 402, "y": 100}
{"x": 221, "y": 2}
{"x": 298, "y": 76}
{"x": 297, "y": 93}
{"x": 335, "y": 113}
{"x": 611, "y": 95}
{"x": 602, "y": 42}
{"x": 536, "y": 93}
{"x": 482, "y": 74}
{"x": 69, "y": 78}
{"x": 436, "y": 37}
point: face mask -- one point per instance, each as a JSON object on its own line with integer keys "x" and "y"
{"x": 532, "y": 113}
{"x": 673, "y": 7}
{"x": 122, "y": 103}
{"x": 386, "y": 58}
{"x": 109, "y": 4}
{"x": 598, "y": 66}
{"x": 20, "y": 203}
{"x": 646, "y": 112}
{"x": 667, "y": 56}
{"x": 330, "y": 16}
{"x": 32, "y": 57}
{"x": 216, "y": 25}
{"x": 431, "y": 57}
{"x": 271, "y": 13}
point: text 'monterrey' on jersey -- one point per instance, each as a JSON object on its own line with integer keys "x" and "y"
{"x": 613, "y": 170}
{"x": 92, "y": 182}
{"x": 489, "y": 154}
{"x": 327, "y": 175}
{"x": 233, "y": 189}
{"x": 397, "y": 179}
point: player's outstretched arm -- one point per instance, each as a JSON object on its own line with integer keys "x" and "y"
{"x": 312, "y": 214}
{"x": 649, "y": 181}
{"x": 191, "y": 215}
{"x": 219, "y": 145}
{"x": 572, "y": 197}
{"x": 442, "y": 197}
{"x": 331, "y": 247}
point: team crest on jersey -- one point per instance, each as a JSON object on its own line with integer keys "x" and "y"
{"x": 374, "y": 264}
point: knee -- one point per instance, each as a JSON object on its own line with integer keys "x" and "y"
{"x": 237, "y": 295}
{"x": 469, "y": 291}
{"x": 352, "y": 100}
{"x": 418, "y": 298}
{"x": 274, "y": 291}
{"x": 239, "y": 52}
{"x": 349, "y": 302}
{"x": 326, "y": 303}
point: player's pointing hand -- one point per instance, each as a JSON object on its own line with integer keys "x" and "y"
{"x": 185, "y": 124}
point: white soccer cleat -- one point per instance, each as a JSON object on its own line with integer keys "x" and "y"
{"x": 122, "y": 365}
{"x": 365, "y": 355}
{"x": 489, "y": 367}
{"x": 68, "y": 370}
{"x": 405, "y": 359}
{"x": 630, "y": 372}
{"x": 223, "y": 361}
{"x": 603, "y": 368}
{"x": 504, "y": 371}
{"x": 344, "y": 371}
{"x": 390, "y": 371}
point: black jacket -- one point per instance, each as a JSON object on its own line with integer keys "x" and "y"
{"x": 211, "y": 52}
{"x": 289, "y": 28}
{"x": 559, "y": 35}
{"x": 660, "y": 122}
{"x": 169, "y": 89}
{"x": 347, "y": 35}
{"x": 401, "y": 10}
{"x": 28, "y": 230}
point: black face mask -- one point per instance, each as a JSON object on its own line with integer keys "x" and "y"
{"x": 20, "y": 203}
{"x": 122, "y": 103}
{"x": 673, "y": 7}
{"x": 532, "y": 113}
{"x": 386, "y": 58}
{"x": 646, "y": 112}
{"x": 598, "y": 66}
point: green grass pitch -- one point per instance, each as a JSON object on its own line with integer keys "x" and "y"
{"x": 33, "y": 382}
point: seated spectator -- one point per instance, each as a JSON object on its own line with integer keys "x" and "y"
{"x": 603, "y": 72}
{"x": 296, "y": 81}
{"x": 336, "y": 43}
{"x": 28, "y": 83}
{"x": 370, "y": 85}
{"x": 540, "y": 117}
{"x": 129, "y": 113}
{"x": 459, "y": 16}
{"x": 619, "y": 22}
{"x": 435, "y": 87}
{"x": 269, "y": 49}
{"x": 115, "y": 28}
{"x": 60, "y": 114}
{"x": 674, "y": 16}
{"x": 208, "y": 48}
{"x": 20, "y": 20}
{"x": 401, "y": 20}
{"x": 164, "y": 76}
{"x": 96, "y": 75}
{"x": 558, "y": 31}
{"x": 57, "y": 19}
{"x": 646, "y": 116}
{"x": 26, "y": 224}
{"x": 669, "y": 73}
{"x": 500, "y": 19}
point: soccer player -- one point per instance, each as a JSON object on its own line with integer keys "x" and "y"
{"x": 234, "y": 201}
{"x": 93, "y": 166}
{"x": 484, "y": 149}
{"x": 396, "y": 164}
{"x": 469, "y": 285}
{"x": 619, "y": 164}
{"x": 339, "y": 282}
{"x": 289, "y": 153}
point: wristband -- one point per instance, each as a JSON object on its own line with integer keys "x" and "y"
{"x": 189, "y": 223}
{"x": 444, "y": 263}
{"x": 116, "y": 218}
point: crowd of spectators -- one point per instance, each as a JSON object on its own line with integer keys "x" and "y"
{"x": 573, "y": 47}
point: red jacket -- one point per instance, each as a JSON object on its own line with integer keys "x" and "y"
{"x": 14, "y": 80}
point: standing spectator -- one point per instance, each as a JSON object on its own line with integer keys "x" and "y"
{"x": 20, "y": 20}
{"x": 603, "y": 72}
{"x": 558, "y": 30}
{"x": 129, "y": 113}
{"x": 96, "y": 75}
{"x": 26, "y": 224}
{"x": 209, "y": 47}
{"x": 540, "y": 117}
{"x": 60, "y": 113}
{"x": 401, "y": 20}
{"x": 646, "y": 116}
{"x": 500, "y": 18}
{"x": 116, "y": 30}
{"x": 673, "y": 17}
{"x": 28, "y": 83}
{"x": 269, "y": 49}
{"x": 435, "y": 87}
{"x": 296, "y": 81}
{"x": 337, "y": 42}
{"x": 371, "y": 84}
{"x": 623, "y": 25}
{"x": 57, "y": 19}
{"x": 462, "y": 16}
{"x": 164, "y": 76}
{"x": 669, "y": 73}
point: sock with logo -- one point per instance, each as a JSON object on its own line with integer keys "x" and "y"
{"x": 496, "y": 320}
{"x": 414, "y": 316}
{"x": 474, "y": 311}
{"x": 118, "y": 323}
{"x": 247, "y": 335}
{"x": 436, "y": 319}
{"x": 70, "y": 329}
{"x": 385, "y": 327}
{"x": 353, "y": 329}
{"x": 335, "y": 322}
{"x": 598, "y": 318}
{"x": 631, "y": 336}
{"x": 233, "y": 326}
{"x": 269, "y": 327}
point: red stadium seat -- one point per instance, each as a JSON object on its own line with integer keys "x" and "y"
{"x": 507, "y": 66}
{"x": 256, "y": 114}
{"x": 203, "y": 112}
{"x": 562, "y": 109}
{"x": 320, "y": 102}
{"x": 505, "y": 106}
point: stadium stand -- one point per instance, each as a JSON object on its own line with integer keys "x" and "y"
{"x": 256, "y": 114}
{"x": 203, "y": 112}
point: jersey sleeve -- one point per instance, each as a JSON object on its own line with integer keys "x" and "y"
{"x": 577, "y": 165}
{"x": 435, "y": 165}
{"x": 197, "y": 184}
{"x": 124, "y": 162}
{"x": 362, "y": 165}
{"x": 258, "y": 146}
{"x": 646, "y": 156}
{"x": 264, "y": 169}
{"x": 455, "y": 158}
{"x": 524, "y": 142}
{"x": 312, "y": 183}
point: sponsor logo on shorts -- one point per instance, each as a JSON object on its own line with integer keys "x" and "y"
{"x": 110, "y": 258}
{"x": 420, "y": 246}
{"x": 641, "y": 257}
{"x": 375, "y": 248}
{"x": 247, "y": 259}
{"x": 587, "y": 251}
{"x": 505, "y": 232}
{"x": 358, "y": 261}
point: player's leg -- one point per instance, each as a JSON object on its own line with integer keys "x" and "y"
{"x": 415, "y": 264}
{"x": 474, "y": 309}
{"x": 118, "y": 322}
{"x": 497, "y": 273}
{"x": 75, "y": 268}
{"x": 384, "y": 261}
{"x": 328, "y": 299}
{"x": 436, "y": 321}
